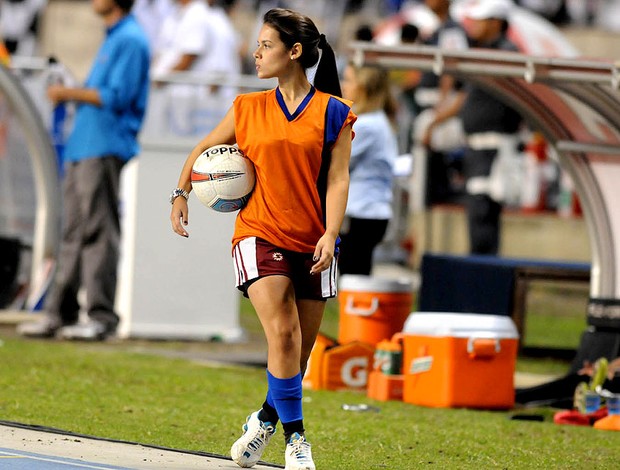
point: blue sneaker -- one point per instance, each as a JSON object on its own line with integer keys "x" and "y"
{"x": 247, "y": 450}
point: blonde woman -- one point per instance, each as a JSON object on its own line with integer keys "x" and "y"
{"x": 373, "y": 152}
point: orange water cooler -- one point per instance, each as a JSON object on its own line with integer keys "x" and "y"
{"x": 459, "y": 360}
{"x": 372, "y": 309}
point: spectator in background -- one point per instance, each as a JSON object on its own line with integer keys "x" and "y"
{"x": 443, "y": 97}
{"x": 608, "y": 15}
{"x": 184, "y": 44}
{"x": 490, "y": 127}
{"x": 582, "y": 12}
{"x": 408, "y": 82}
{"x": 553, "y": 10}
{"x": 373, "y": 153}
{"x": 184, "y": 39}
{"x": 561, "y": 393}
{"x": 409, "y": 34}
{"x": 109, "y": 115}
{"x": 151, "y": 15}
{"x": 364, "y": 33}
{"x": 393, "y": 6}
{"x": 225, "y": 53}
{"x": 19, "y": 23}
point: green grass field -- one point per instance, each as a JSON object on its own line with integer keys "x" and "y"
{"x": 109, "y": 390}
{"x": 559, "y": 309}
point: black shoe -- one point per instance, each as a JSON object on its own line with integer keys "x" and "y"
{"x": 44, "y": 328}
{"x": 91, "y": 330}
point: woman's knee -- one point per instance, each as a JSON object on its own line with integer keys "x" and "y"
{"x": 286, "y": 336}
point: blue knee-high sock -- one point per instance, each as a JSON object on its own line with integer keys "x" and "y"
{"x": 286, "y": 397}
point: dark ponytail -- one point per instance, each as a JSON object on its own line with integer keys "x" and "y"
{"x": 294, "y": 27}
{"x": 326, "y": 78}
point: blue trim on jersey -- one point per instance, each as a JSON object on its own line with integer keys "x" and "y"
{"x": 335, "y": 116}
{"x": 290, "y": 117}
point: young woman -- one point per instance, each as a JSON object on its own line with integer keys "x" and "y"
{"x": 373, "y": 154}
{"x": 284, "y": 246}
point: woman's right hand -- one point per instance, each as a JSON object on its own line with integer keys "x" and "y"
{"x": 178, "y": 216}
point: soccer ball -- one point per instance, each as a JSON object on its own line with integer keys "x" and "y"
{"x": 223, "y": 178}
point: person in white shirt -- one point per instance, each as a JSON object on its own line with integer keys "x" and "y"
{"x": 19, "y": 24}
{"x": 151, "y": 15}
{"x": 373, "y": 154}
{"x": 225, "y": 54}
{"x": 184, "y": 44}
{"x": 184, "y": 40}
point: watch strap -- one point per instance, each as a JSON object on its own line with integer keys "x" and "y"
{"x": 178, "y": 192}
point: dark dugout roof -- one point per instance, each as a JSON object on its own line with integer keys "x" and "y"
{"x": 575, "y": 103}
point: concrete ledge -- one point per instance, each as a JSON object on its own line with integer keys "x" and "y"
{"x": 443, "y": 229}
{"x": 13, "y": 317}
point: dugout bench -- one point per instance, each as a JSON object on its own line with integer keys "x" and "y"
{"x": 489, "y": 284}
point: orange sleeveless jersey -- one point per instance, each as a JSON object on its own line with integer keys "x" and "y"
{"x": 291, "y": 156}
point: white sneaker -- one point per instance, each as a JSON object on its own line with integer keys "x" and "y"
{"x": 298, "y": 454}
{"x": 247, "y": 450}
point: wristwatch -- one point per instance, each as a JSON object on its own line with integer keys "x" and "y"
{"x": 178, "y": 192}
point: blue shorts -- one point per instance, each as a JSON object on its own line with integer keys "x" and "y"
{"x": 255, "y": 258}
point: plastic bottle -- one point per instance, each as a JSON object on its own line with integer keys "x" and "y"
{"x": 388, "y": 357}
{"x": 568, "y": 204}
{"x": 534, "y": 181}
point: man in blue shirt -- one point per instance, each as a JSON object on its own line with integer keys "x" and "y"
{"x": 110, "y": 112}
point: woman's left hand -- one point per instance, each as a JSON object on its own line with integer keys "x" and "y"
{"x": 56, "y": 94}
{"x": 323, "y": 254}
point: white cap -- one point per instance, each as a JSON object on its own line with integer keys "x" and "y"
{"x": 488, "y": 9}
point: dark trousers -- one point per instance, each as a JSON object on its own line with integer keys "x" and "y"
{"x": 560, "y": 392}
{"x": 358, "y": 244}
{"x": 438, "y": 188}
{"x": 483, "y": 218}
{"x": 483, "y": 213}
{"x": 90, "y": 242}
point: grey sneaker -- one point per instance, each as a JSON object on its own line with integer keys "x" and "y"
{"x": 92, "y": 330}
{"x": 247, "y": 450}
{"x": 298, "y": 455}
{"x": 43, "y": 328}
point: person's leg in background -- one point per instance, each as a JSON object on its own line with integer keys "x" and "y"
{"x": 483, "y": 218}
{"x": 358, "y": 244}
{"x": 483, "y": 213}
{"x": 98, "y": 189}
{"x": 438, "y": 182}
{"x": 101, "y": 249}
